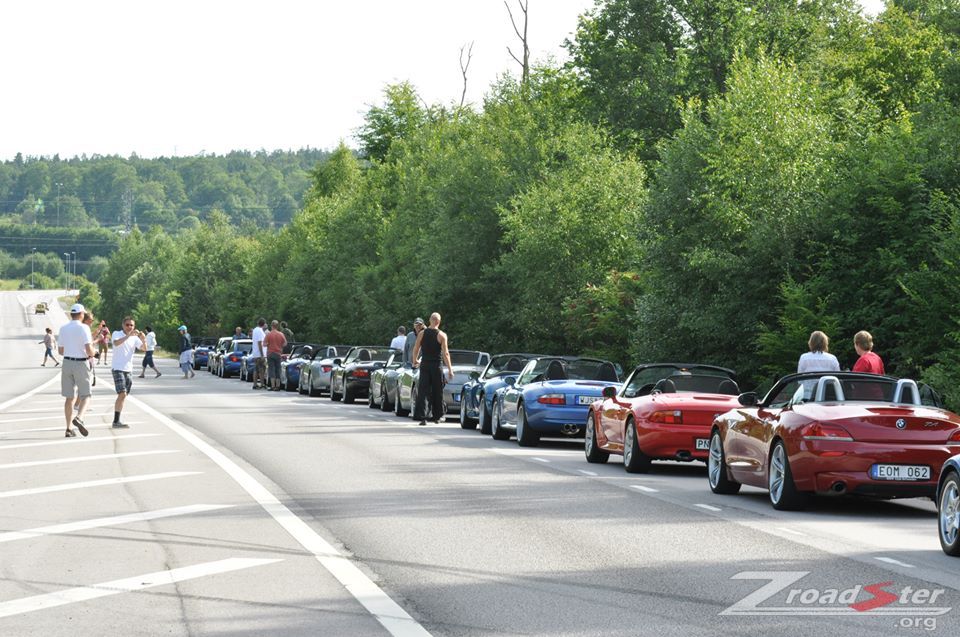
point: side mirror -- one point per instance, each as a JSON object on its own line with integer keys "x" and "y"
{"x": 510, "y": 381}
{"x": 474, "y": 375}
{"x": 609, "y": 392}
{"x": 337, "y": 362}
{"x": 749, "y": 399}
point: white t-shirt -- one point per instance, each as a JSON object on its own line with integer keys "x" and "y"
{"x": 258, "y": 336}
{"x": 151, "y": 341}
{"x": 123, "y": 353}
{"x": 818, "y": 362}
{"x": 73, "y": 336}
{"x": 398, "y": 342}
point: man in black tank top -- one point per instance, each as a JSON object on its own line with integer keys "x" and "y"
{"x": 432, "y": 346}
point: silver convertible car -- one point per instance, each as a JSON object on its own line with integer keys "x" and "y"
{"x": 464, "y": 362}
{"x": 315, "y": 374}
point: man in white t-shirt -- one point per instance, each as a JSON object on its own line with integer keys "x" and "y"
{"x": 125, "y": 343}
{"x": 76, "y": 348}
{"x": 151, "y": 343}
{"x": 259, "y": 356}
{"x": 400, "y": 339}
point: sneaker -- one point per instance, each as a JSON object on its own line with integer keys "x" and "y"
{"x": 79, "y": 425}
{"x": 70, "y": 434}
{"x": 422, "y": 423}
{"x": 56, "y": 364}
{"x": 141, "y": 376}
{"x": 120, "y": 425}
{"x": 43, "y": 364}
{"x": 158, "y": 375}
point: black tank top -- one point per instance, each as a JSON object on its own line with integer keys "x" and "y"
{"x": 430, "y": 346}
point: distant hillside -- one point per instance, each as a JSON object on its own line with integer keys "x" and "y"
{"x": 258, "y": 189}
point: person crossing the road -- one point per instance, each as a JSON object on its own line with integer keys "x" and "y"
{"x": 151, "y": 343}
{"x": 432, "y": 342}
{"x": 186, "y": 353}
{"x": 49, "y": 342}
{"x": 125, "y": 343}
{"x": 76, "y": 348}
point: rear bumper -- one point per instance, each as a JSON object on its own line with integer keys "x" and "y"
{"x": 554, "y": 419}
{"x": 673, "y": 441}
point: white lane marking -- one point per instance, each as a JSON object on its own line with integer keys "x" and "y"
{"x": 587, "y": 473}
{"x": 106, "y": 456}
{"x": 96, "y": 483}
{"x": 75, "y": 441}
{"x": 708, "y": 507}
{"x": 789, "y": 530}
{"x": 13, "y": 401}
{"x": 890, "y": 560}
{"x": 541, "y": 460}
{"x": 645, "y": 489}
{"x": 386, "y": 611}
{"x": 130, "y": 584}
{"x": 116, "y": 520}
{"x": 14, "y": 432}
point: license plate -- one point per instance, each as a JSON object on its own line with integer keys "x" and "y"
{"x": 905, "y": 472}
{"x": 456, "y": 398}
{"x": 585, "y": 400}
{"x": 703, "y": 444}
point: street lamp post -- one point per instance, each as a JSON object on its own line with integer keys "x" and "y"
{"x": 66, "y": 256}
{"x": 33, "y": 253}
{"x": 73, "y": 281}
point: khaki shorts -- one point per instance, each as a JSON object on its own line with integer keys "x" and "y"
{"x": 74, "y": 379}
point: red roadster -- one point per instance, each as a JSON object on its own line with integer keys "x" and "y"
{"x": 834, "y": 433}
{"x": 662, "y": 411}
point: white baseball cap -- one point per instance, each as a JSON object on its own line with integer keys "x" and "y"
{"x": 77, "y": 308}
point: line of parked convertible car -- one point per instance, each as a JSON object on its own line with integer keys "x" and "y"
{"x": 812, "y": 434}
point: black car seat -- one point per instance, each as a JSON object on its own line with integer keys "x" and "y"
{"x": 514, "y": 365}
{"x": 665, "y": 386}
{"x": 363, "y": 356}
{"x": 728, "y": 387}
{"x": 607, "y": 373}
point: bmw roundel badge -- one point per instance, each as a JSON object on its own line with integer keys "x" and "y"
{"x": 901, "y": 423}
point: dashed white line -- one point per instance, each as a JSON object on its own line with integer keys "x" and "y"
{"x": 890, "y": 560}
{"x": 140, "y": 582}
{"x": 587, "y": 473}
{"x": 75, "y": 441}
{"x": 116, "y": 520}
{"x": 97, "y": 483}
{"x": 106, "y": 456}
{"x": 643, "y": 488}
{"x": 787, "y": 529}
{"x": 708, "y": 507}
{"x": 14, "y": 432}
{"x": 541, "y": 460}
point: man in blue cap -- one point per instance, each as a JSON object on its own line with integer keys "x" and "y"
{"x": 186, "y": 353}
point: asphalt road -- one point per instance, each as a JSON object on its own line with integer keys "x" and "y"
{"x": 262, "y": 513}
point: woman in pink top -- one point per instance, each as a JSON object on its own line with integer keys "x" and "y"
{"x": 869, "y": 363}
{"x": 102, "y": 337}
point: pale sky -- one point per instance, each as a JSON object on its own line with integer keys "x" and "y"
{"x": 184, "y": 77}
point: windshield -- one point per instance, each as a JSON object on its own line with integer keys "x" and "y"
{"x": 464, "y": 358}
{"x": 368, "y": 354}
{"x": 505, "y": 364}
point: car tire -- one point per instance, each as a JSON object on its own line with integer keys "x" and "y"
{"x": 484, "y": 416}
{"x": 594, "y": 454}
{"x": 334, "y": 397}
{"x": 720, "y": 482}
{"x": 526, "y": 436}
{"x": 634, "y": 460}
{"x": 370, "y": 403}
{"x": 312, "y": 391}
{"x": 385, "y": 400}
{"x": 398, "y": 407}
{"x": 287, "y": 385}
{"x": 783, "y": 492}
{"x": 466, "y": 423}
{"x": 347, "y": 396}
{"x": 948, "y": 509}
{"x": 498, "y": 432}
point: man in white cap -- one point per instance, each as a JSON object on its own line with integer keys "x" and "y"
{"x": 76, "y": 348}
{"x": 186, "y": 353}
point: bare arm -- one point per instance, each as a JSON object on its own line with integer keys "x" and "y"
{"x": 445, "y": 353}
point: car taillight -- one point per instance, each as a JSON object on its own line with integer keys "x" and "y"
{"x": 552, "y": 399}
{"x": 360, "y": 373}
{"x": 954, "y": 438}
{"x": 234, "y": 359}
{"x": 671, "y": 417}
{"x": 325, "y": 368}
{"x": 823, "y": 431}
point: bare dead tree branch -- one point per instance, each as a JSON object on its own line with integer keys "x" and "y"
{"x": 463, "y": 70}
{"x": 525, "y": 62}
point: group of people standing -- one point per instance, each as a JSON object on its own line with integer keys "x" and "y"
{"x": 819, "y": 358}
{"x": 267, "y": 353}
{"x": 426, "y": 348}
